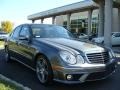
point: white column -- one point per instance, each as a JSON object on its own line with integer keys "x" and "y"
{"x": 89, "y": 21}
{"x": 33, "y": 21}
{"x": 68, "y": 21}
{"x": 108, "y": 22}
{"x": 119, "y": 19}
{"x": 42, "y": 20}
{"x": 101, "y": 19}
{"x": 53, "y": 20}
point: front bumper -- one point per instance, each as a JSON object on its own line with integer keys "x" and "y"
{"x": 85, "y": 72}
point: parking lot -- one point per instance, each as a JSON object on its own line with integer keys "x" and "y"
{"x": 27, "y": 77}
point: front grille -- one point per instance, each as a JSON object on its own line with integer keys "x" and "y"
{"x": 98, "y": 58}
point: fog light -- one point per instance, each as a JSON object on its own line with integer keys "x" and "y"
{"x": 69, "y": 77}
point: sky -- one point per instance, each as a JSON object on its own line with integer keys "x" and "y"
{"x": 17, "y": 11}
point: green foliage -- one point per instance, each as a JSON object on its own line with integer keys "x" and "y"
{"x": 5, "y": 87}
{"x": 6, "y": 26}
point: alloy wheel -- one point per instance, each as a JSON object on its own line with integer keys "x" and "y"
{"x": 42, "y": 70}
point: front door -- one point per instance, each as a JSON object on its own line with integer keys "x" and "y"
{"x": 13, "y": 43}
{"x": 25, "y": 46}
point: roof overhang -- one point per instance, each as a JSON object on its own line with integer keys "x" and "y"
{"x": 72, "y": 8}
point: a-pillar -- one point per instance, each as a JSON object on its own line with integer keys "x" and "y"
{"x": 101, "y": 19}
{"x": 68, "y": 21}
{"x": 89, "y": 22}
{"x": 53, "y": 20}
{"x": 42, "y": 20}
{"x": 118, "y": 19}
{"x": 108, "y": 23}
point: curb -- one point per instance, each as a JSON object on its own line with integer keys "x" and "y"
{"x": 14, "y": 83}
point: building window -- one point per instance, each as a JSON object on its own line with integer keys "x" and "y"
{"x": 81, "y": 25}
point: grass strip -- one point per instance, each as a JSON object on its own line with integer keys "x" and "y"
{"x": 10, "y": 84}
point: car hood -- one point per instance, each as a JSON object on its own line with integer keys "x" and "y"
{"x": 73, "y": 45}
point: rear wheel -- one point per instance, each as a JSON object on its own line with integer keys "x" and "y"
{"x": 44, "y": 70}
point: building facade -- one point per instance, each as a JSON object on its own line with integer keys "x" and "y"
{"x": 79, "y": 22}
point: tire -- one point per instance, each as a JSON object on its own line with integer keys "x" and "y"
{"x": 44, "y": 70}
{"x": 7, "y": 55}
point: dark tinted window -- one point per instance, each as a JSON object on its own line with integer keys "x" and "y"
{"x": 25, "y": 31}
{"x": 15, "y": 33}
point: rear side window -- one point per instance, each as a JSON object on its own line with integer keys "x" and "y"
{"x": 15, "y": 33}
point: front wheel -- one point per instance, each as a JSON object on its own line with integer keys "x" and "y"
{"x": 43, "y": 70}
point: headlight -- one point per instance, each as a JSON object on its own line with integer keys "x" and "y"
{"x": 68, "y": 57}
{"x": 111, "y": 53}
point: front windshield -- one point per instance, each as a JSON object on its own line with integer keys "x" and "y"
{"x": 50, "y": 31}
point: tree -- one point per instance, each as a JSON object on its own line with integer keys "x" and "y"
{"x": 7, "y": 26}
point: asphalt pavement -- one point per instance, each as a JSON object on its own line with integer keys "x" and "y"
{"x": 27, "y": 77}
